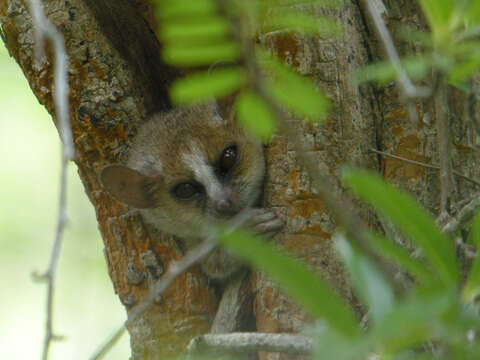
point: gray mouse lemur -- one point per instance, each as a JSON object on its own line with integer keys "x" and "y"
{"x": 186, "y": 170}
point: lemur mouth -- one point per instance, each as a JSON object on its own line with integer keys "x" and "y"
{"x": 227, "y": 214}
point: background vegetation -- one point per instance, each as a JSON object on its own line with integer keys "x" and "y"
{"x": 434, "y": 315}
{"x": 30, "y": 150}
{"x": 424, "y": 317}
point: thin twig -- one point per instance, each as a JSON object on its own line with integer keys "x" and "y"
{"x": 354, "y": 227}
{"x": 45, "y": 29}
{"x": 472, "y": 114}
{"x": 463, "y": 217}
{"x": 212, "y": 344}
{"x": 2, "y": 36}
{"x": 429, "y": 166}
{"x": 468, "y": 210}
{"x": 407, "y": 88}
{"x": 441, "y": 110}
{"x": 49, "y": 275}
{"x": 175, "y": 269}
{"x": 109, "y": 343}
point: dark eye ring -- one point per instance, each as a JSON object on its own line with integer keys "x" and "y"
{"x": 228, "y": 159}
{"x": 186, "y": 190}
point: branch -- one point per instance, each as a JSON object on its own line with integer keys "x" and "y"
{"x": 175, "y": 269}
{"x": 250, "y": 342}
{"x": 407, "y": 88}
{"x": 340, "y": 208}
{"x": 472, "y": 114}
{"x": 441, "y": 110}
{"x": 109, "y": 343}
{"x": 429, "y": 166}
{"x": 49, "y": 275}
{"x": 45, "y": 29}
{"x": 463, "y": 217}
{"x": 409, "y": 91}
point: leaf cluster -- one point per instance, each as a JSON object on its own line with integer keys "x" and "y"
{"x": 211, "y": 34}
{"x": 433, "y": 311}
{"x": 451, "y": 47}
{"x": 437, "y": 311}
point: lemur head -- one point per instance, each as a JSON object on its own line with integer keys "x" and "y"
{"x": 188, "y": 168}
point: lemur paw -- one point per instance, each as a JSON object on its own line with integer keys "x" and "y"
{"x": 264, "y": 222}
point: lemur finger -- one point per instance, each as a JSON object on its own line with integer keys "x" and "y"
{"x": 273, "y": 225}
{"x": 258, "y": 216}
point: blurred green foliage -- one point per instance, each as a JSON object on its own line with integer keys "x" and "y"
{"x": 452, "y": 47}
{"x": 436, "y": 311}
{"x": 433, "y": 312}
{"x": 86, "y": 308}
{"x": 202, "y": 35}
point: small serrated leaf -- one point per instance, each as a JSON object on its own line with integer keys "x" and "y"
{"x": 206, "y": 29}
{"x": 298, "y": 281}
{"x": 181, "y": 8}
{"x": 401, "y": 257}
{"x": 409, "y": 217}
{"x": 254, "y": 115}
{"x": 204, "y": 85}
{"x": 198, "y": 55}
{"x": 368, "y": 283}
{"x": 472, "y": 288}
{"x": 295, "y": 91}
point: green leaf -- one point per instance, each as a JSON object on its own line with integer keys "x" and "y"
{"x": 384, "y": 72}
{"x": 438, "y": 13}
{"x": 473, "y": 12}
{"x": 409, "y": 217}
{"x": 472, "y": 288}
{"x": 254, "y": 115}
{"x": 295, "y": 91}
{"x": 312, "y": 24}
{"x": 368, "y": 283}
{"x": 180, "y": 8}
{"x": 198, "y": 55}
{"x": 331, "y": 4}
{"x": 401, "y": 257}
{"x": 204, "y": 28}
{"x": 329, "y": 345}
{"x": 295, "y": 278}
{"x": 465, "y": 70}
{"x": 412, "y": 35}
{"x": 204, "y": 85}
{"x": 414, "y": 322}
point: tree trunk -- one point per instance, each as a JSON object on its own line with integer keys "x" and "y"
{"x": 117, "y": 79}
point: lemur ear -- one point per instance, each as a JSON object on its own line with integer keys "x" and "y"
{"x": 128, "y": 186}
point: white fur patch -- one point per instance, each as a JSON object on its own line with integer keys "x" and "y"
{"x": 215, "y": 119}
{"x": 203, "y": 172}
{"x": 146, "y": 163}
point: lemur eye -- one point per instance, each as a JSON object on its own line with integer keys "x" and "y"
{"x": 186, "y": 190}
{"x": 228, "y": 159}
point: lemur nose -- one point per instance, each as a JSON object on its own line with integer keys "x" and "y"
{"x": 224, "y": 206}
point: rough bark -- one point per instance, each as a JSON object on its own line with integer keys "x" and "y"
{"x": 117, "y": 79}
{"x": 364, "y": 118}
